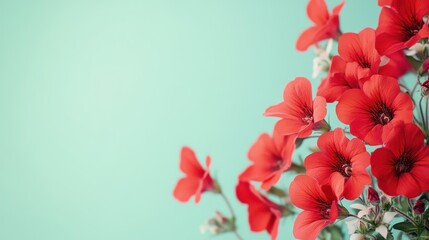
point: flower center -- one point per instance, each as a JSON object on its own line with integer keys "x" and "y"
{"x": 325, "y": 213}
{"x": 384, "y": 118}
{"x": 342, "y": 165}
{"x": 411, "y": 28}
{"x": 279, "y": 164}
{"x": 346, "y": 170}
{"x": 404, "y": 164}
{"x": 382, "y": 114}
{"x": 307, "y": 119}
{"x": 324, "y": 209}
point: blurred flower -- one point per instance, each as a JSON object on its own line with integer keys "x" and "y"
{"x": 197, "y": 179}
{"x": 270, "y": 157}
{"x": 218, "y": 224}
{"x": 319, "y": 203}
{"x": 263, "y": 213}
{"x": 322, "y": 61}
{"x": 382, "y": 226}
{"x": 325, "y": 25}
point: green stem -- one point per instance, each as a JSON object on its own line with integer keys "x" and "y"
{"x": 421, "y": 113}
{"x": 231, "y": 210}
{"x": 405, "y": 216}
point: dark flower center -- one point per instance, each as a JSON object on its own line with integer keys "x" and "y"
{"x": 382, "y": 114}
{"x": 404, "y": 164}
{"x": 364, "y": 62}
{"x": 325, "y": 213}
{"x": 279, "y": 164}
{"x": 324, "y": 209}
{"x": 342, "y": 165}
{"x": 411, "y": 28}
{"x": 307, "y": 115}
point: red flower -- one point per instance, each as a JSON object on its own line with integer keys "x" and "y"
{"x": 372, "y": 110}
{"x": 325, "y": 25}
{"x": 298, "y": 111}
{"x": 341, "y": 163}
{"x": 358, "y": 59}
{"x": 196, "y": 181}
{"x": 401, "y": 26}
{"x": 270, "y": 157}
{"x": 342, "y": 77}
{"x": 263, "y": 213}
{"x": 402, "y": 165}
{"x": 360, "y": 49}
{"x": 319, "y": 203}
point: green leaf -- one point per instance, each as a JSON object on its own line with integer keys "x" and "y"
{"x": 406, "y": 227}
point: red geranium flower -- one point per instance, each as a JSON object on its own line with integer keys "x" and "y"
{"x": 360, "y": 48}
{"x": 319, "y": 203}
{"x": 401, "y": 26}
{"x": 372, "y": 110}
{"x": 196, "y": 181}
{"x": 298, "y": 111}
{"x": 263, "y": 213}
{"x": 341, "y": 163}
{"x": 270, "y": 157}
{"x": 341, "y": 77}
{"x": 325, "y": 25}
{"x": 402, "y": 165}
{"x": 358, "y": 59}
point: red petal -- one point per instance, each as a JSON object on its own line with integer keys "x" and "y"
{"x": 185, "y": 188}
{"x": 308, "y": 225}
{"x": 189, "y": 163}
{"x": 319, "y": 108}
{"x": 317, "y": 11}
{"x": 305, "y": 193}
{"x": 351, "y": 105}
{"x": 259, "y": 217}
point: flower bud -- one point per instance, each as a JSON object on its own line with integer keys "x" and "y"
{"x": 425, "y": 88}
{"x": 373, "y": 196}
{"x": 419, "y": 207}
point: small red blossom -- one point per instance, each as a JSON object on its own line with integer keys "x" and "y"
{"x": 372, "y": 110}
{"x": 325, "y": 25}
{"x": 372, "y": 196}
{"x": 401, "y": 25}
{"x": 401, "y": 166}
{"x": 341, "y": 163}
{"x": 425, "y": 87}
{"x": 319, "y": 203}
{"x": 263, "y": 213}
{"x": 197, "y": 179}
{"x": 360, "y": 48}
{"x": 419, "y": 207}
{"x": 271, "y": 156}
{"x": 357, "y": 61}
{"x": 298, "y": 111}
{"x": 341, "y": 77}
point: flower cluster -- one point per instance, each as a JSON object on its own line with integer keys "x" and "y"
{"x": 371, "y": 172}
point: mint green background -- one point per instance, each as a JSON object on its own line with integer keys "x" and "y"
{"x": 98, "y": 97}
